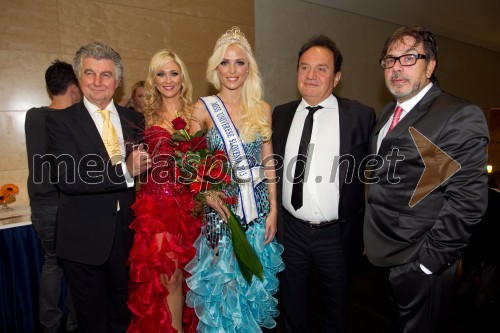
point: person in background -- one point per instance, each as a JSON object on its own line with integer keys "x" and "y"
{"x": 322, "y": 138}
{"x": 94, "y": 157}
{"x": 136, "y": 99}
{"x": 220, "y": 295}
{"x": 421, "y": 239}
{"x": 64, "y": 91}
{"x": 164, "y": 228}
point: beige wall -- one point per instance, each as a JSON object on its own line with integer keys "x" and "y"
{"x": 281, "y": 26}
{"x": 35, "y": 32}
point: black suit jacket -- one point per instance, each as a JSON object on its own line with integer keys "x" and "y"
{"x": 90, "y": 186}
{"x": 356, "y": 122}
{"x": 435, "y": 230}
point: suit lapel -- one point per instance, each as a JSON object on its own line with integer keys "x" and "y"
{"x": 283, "y": 127}
{"x": 127, "y": 129}
{"x": 345, "y": 124}
{"x": 131, "y": 127}
{"x": 384, "y": 117}
{"x": 282, "y": 120}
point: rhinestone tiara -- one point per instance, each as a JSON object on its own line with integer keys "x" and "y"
{"x": 233, "y": 36}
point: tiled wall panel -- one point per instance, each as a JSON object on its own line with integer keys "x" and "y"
{"x": 35, "y": 32}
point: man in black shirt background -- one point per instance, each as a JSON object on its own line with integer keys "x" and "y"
{"x": 64, "y": 91}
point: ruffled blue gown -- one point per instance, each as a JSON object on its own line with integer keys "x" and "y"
{"x": 220, "y": 295}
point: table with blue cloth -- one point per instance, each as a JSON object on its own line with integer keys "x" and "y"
{"x": 21, "y": 258}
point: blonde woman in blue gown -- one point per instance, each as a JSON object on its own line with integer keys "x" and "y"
{"x": 238, "y": 121}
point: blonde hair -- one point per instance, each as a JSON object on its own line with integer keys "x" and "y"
{"x": 254, "y": 119}
{"x": 152, "y": 98}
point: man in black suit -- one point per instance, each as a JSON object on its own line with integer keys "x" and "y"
{"x": 420, "y": 241}
{"x": 95, "y": 165}
{"x": 320, "y": 191}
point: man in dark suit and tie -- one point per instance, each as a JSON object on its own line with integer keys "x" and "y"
{"x": 93, "y": 160}
{"x": 417, "y": 224}
{"x": 320, "y": 143}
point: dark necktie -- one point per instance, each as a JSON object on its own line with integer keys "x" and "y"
{"x": 300, "y": 165}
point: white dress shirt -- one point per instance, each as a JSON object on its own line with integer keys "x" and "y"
{"x": 115, "y": 120}
{"x": 321, "y": 192}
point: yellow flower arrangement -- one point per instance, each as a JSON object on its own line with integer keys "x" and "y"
{"x": 8, "y": 194}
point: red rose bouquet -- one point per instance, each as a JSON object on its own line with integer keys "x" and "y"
{"x": 206, "y": 172}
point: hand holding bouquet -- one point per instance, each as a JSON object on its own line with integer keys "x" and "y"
{"x": 206, "y": 172}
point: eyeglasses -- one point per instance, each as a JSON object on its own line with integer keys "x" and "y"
{"x": 404, "y": 60}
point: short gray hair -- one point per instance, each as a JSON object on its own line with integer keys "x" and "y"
{"x": 98, "y": 51}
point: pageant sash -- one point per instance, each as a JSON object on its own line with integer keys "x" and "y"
{"x": 246, "y": 178}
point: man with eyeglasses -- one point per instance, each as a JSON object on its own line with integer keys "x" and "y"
{"x": 424, "y": 129}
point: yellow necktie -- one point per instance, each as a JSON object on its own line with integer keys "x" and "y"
{"x": 110, "y": 138}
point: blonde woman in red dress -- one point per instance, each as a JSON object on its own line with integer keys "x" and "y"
{"x": 164, "y": 228}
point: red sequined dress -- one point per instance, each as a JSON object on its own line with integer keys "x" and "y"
{"x": 164, "y": 235}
